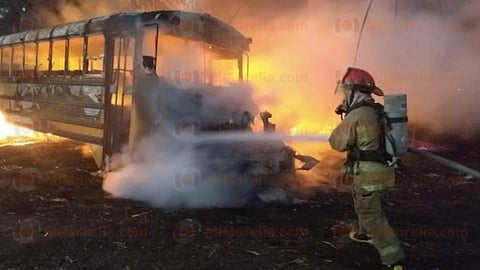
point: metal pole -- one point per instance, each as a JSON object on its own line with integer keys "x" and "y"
{"x": 446, "y": 162}
{"x": 361, "y": 32}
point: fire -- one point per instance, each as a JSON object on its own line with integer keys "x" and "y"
{"x": 300, "y": 100}
{"x": 8, "y": 130}
{"x": 311, "y": 129}
{"x": 11, "y": 134}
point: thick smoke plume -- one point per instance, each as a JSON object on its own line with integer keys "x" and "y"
{"x": 426, "y": 49}
{"x": 167, "y": 168}
{"x": 166, "y": 175}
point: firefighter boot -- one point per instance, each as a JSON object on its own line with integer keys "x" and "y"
{"x": 360, "y": 237}
{"x": 398, "y": 266}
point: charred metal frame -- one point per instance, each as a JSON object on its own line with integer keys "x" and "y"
{"x": 122, "y": 26}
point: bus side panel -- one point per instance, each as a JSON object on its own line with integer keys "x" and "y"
{"x": 68, "y": 110}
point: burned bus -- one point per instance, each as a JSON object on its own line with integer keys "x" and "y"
{"x": 109, "y": 81}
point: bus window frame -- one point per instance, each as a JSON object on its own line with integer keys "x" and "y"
{"x": 86, "y": 56}
{"x": 67, "y": 57}
{"x": 35, "y": 72}
{"x": 9, "y": 65}
{"x": 222, "y": 53}
{"x": 66, "y": 52}
{"x": 1, "y": 61}
{"x": 145, "y": 28}
{"x": 45, "y": 72}
{"x": 35, "y": 63}
{"x": 61, "y": 75}
{"x": 50, "y": 54}
{"x": 13, "y": 72}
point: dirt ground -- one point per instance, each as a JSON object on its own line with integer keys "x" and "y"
{"x": 55, "y": 215}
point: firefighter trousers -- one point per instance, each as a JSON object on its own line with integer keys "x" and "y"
{"x": 372, "y": 220}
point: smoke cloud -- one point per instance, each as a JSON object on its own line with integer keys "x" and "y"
{"x": 426, "y": 49}
{"x": 168, "y": 168}
{"x": 167, "y": 176}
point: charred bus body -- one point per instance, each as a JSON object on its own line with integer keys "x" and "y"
{"x": 109, "y": 81}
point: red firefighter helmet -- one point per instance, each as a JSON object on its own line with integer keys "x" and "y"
{"x": 361, "y": 80}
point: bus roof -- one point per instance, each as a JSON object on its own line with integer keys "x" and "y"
{"x": 189, "y": 25}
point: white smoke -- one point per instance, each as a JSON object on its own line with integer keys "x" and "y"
{"x": 428, "y": 51}
{"x": 166, "y": 176}
{"x": 168, "y": 168}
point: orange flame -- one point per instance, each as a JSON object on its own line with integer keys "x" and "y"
{"x": 8, "y": 130}
{"x": 11, "y": 134}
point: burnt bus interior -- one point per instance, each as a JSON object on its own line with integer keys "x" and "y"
{"x": 79, "y": 80}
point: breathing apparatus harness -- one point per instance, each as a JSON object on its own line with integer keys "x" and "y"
{"x": 380, "y": 155}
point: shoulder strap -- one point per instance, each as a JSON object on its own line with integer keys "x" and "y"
{"x": 381, "y": 154}
{"x": 364, "y": 104}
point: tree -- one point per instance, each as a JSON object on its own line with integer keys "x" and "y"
{"x": 11, "y": 12}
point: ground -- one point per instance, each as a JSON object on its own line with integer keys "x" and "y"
{"x": 66, "y": 221}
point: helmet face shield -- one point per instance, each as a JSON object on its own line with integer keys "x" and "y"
{"x": 338, "y": 88}
{"x": 342, "y": 89}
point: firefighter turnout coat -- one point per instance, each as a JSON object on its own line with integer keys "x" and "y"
{"x": 360, "y": 130}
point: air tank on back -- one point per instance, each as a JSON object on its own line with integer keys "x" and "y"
{"x": 396, "y": 108}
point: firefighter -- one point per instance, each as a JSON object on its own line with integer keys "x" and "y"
{"x": 360, "y": 134}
